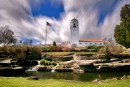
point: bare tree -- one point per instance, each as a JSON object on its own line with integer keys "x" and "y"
{"x": 6, "y": 36}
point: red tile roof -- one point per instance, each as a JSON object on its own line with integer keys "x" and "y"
{"x": 90, "y": 40}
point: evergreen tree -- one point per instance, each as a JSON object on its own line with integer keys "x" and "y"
{"x": 54, "y": 43}
{"x": 122, "y": 31}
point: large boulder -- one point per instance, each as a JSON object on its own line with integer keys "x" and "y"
{"x": 10, "y": 71}
{"x": 82, "y": 56}
{"x": 64, "y": 66}
{"x": 33, "y": 78}
{"x": 44, "y": 68}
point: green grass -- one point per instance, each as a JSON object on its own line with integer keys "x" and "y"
{"x": 66, "y": 53}
{"x": 58, "y": 53}
{"x": 24, "y": 82}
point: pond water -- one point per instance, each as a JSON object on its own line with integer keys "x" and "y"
{"x": 84, "y": 77}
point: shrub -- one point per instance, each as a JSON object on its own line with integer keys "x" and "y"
{"x": 5, "y": 50}
{"x": 33, "y": 56}
{"x": 19, "y": 52}
{"x": 116, "y": 50}
{"x": 12, "y": 51}
{"x": 95, "y": 48}
{"x": 41, "y": 62}
{"x": 66, "y": 49}
{"x": 57, "y": 49}
{"x": 23, "y": 52}
{"x": 20, "y": 55}
{"x": 44, "y": 49}
{"x": 106, "y": 50}
{"x": 33, "y": 53}
{"x": 45, "y": 62}
{"x": 84, "y": 49}
{"x": 36, "y": 50}
{"x": 47, "y": 49}
{"x": 112, "y": 49}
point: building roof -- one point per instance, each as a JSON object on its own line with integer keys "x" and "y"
{"x": 90, "y": 40}
{"x": 74, "y": 19}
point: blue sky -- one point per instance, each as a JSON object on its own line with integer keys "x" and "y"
{"x": 48, "y": 9}
{"x": 103, "y": 12}
{"x": 27, "y": 18}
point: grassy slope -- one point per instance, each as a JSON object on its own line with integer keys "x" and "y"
{"x": 24, "y": 82}
{"x": 65, "y": 53}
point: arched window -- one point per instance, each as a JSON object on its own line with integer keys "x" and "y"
{"x": 74, "y": 25}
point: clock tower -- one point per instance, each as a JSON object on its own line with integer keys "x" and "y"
{"x": 74, "y": 32}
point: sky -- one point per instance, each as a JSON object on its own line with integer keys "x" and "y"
{"x": 27, "y": 18}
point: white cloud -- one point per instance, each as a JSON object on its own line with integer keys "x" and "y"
{"x": 17, "y": 14}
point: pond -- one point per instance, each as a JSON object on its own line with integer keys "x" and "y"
{"x": 84, "y": 77}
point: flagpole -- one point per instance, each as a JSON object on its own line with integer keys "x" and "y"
{"x": 46, "y": 33}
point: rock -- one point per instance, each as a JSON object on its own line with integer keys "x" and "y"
{"x": 116, "y": 78}
{"x": 97, "y": 80}
{"x": 78, "y": 71}
{"x": 44, "y": 68}
{"x": 11, "y": 71}
{"x": 124, "y": 77}
{"x": 128, "y": 76}
{"x": 80, "y": 57}
{"x": 75, "y": 66}
{"x": 64, "y": 70}
{"x": 33, "y": 78}
{"x": 98, "y": 56}
{"x": 85, "y": 62}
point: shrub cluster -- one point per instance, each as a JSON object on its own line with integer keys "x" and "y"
{"x": 21, "y": 52}
{"x": 65, "y": 49}
{"x": 47, "y": 49}
{"x": 55, "y": 49}
{"x": 111, "y": 49}
{"x": 45, "y": 62}
{"x": 87, "y": 49}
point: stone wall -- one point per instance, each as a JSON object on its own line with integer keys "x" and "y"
{"x": 82, "y": 56}
{"x": 62, "y": 58}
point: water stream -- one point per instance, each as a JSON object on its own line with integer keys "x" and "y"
{"x": 84, "y": 77}
{"x": 33, "y": 68}
{"x": 53, "y": 69}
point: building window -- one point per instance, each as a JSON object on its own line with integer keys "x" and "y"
{"x": 85, "y": 43}
{"x": 90, "y": 43}
{"x": 100, "y": 43}
{"x": 95, "y": 43}
{"x": 80, "y": 43}
{"x": 74, "y": 25}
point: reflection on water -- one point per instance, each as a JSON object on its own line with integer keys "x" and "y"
{"x": 76, "y": 76}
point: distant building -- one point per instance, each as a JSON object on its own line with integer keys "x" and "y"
{"x": 74, "y": 37}
{"x": 90, "y": 42}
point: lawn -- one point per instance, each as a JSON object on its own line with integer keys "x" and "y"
{"x": 24, "y": 82}
{"x": 67, "y": 53}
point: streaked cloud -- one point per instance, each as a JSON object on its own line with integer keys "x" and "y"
{"x": 18, "y": 15}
